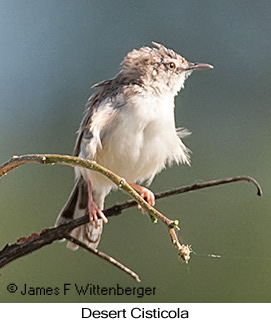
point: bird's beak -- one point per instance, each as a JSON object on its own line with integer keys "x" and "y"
{"x": 198, "y": 66}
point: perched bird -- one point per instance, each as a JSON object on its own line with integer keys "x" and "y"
{"x": 129, "y": 128}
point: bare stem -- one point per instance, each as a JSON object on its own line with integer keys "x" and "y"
{"x": 104, "y": 256}
{"x": 120, "y": 182}
{"x": 26, "y": 245}
{"x": 119, "y": 207}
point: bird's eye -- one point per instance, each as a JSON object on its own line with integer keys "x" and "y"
{"x": 172, "y": 65}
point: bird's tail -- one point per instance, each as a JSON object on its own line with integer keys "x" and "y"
{"x": 76, "y": 207}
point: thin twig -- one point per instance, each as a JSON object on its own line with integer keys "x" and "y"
{"x": 198, "y": 186}
{"x": 27, "y": 245}
{"x": 119, "y": 207}
{"x": 24, "y": 246}
{"x": 184, "y": 250}
{"x": 120, "y": 182}
{"x": 104, "y": 256}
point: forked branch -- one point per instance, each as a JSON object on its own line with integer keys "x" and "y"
{"x": 24, "y": 246}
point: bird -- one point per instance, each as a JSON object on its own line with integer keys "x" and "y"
{"x": 128, "y": 127}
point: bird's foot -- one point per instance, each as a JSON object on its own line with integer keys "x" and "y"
{"x": 94, "y": 212}
{"x": 145, "y": 193}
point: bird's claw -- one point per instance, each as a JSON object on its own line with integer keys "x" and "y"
{"x": 95, "y": 213}
{"x": 146, "y": 194}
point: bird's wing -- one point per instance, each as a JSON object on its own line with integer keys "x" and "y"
{"x": 101, "y": 110}
{"x": 93, "y": 105}
{"x": 86, "y": 145}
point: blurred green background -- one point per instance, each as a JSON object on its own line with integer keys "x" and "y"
{"x": 51, "y": 53}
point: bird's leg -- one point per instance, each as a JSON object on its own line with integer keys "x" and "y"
{"x": 145, "y": 193}
{"x": 93, "y": 210}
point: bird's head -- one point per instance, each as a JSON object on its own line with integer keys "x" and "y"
{"x": 158, "y": 69}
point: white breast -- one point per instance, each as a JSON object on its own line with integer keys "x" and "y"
{"x": 137, "y": 139}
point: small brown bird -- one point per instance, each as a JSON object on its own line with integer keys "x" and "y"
{"x": 129, "y": 128}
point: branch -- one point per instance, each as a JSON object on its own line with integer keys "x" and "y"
{"x": 119, "y": 207}
{"x": 120, "y": 182}
{"x": 24, "y": 246}
{"x": 104, "y": 256}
